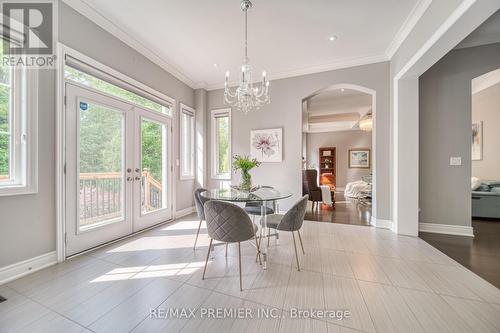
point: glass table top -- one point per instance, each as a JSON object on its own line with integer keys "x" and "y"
{"x": 261, "y": 194}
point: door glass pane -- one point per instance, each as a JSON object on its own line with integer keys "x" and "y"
{"x": 153, "y": 166}
{"x": 101, "y": 145}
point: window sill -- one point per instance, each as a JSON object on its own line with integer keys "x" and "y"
{"x": 221, "y": 177}
{"x": 11, "y": 190}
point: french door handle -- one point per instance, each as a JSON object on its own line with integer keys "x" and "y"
{"x": 137, "y": 178}
{"x": 129, "y": 179}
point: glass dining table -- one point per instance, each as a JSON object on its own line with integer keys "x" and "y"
{"x": 262, "y": 195}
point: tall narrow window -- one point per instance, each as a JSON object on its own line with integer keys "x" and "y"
{"x": 18, "y": 104}
{"x": 187, "y": 142}
{"x": 221, "y": 144}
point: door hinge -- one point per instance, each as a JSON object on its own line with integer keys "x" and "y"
{"x": 172, "y": 168}
{"x": 65, "y": 100}
{"x": 65, "y": 238}
{"x": 64, "y": 168}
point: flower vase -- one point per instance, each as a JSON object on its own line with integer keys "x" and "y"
{"x": 246, "y": 180}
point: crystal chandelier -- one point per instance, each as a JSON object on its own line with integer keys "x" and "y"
{"x": 246, "y": 96}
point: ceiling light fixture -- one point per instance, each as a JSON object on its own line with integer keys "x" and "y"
{"x": 366, "y": 122}
{"x": 332, "y": 38}
{"x": 215, "y": 65}
{"x": 247, "y": 97}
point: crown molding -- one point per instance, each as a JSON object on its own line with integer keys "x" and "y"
{"x": 86, "y": 10}
{"x": 416, "y": 13}
{"x": 485, "y": 81}
{"x": 340, "y": 64}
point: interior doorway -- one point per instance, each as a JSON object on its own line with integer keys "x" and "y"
{"x": 338, "y": 126}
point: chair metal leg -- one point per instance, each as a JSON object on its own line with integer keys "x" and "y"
{"x": 268, "y": 236}
{"x": 301, "y": 245}
{"x": 259, "y": 242}
{"x": 206, "y": 261}
{"x": 296, "y": 255}
{"x": 239, "y": 261}
{"x": 197, "y": 233}
{"x": 258, "y": 250}
{"x": 226, "y": 249}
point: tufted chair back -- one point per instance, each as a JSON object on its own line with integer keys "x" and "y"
{"x": 227, "y": 222}
{"x": 199, "y": 202}
{"x": 293, "y": 219}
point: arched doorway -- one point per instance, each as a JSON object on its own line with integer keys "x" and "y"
{"x": 338, "y": 142}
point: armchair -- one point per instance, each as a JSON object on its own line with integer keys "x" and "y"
{"x": 310, "y": 186}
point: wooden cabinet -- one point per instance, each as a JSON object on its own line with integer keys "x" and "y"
{"x": 327, "y": 166}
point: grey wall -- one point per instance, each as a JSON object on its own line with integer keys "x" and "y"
{"x": 285, "y": 111}
{"x": 28, "y": 222}
{"x": 343, "y": 141}
{"x": 445, "y": 131}
{"x": 486, "y": 108}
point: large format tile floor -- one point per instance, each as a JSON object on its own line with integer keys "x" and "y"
{"x": 388, "y": 283}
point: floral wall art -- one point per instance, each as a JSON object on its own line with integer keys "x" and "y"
{"x": 477, "y": 141}
{"x": 266, "y": 145}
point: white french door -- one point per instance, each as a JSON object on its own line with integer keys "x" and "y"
{"x": 152, "y": 186}
{"x": 118, "y": 168}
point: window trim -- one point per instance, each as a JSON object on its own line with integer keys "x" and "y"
{"x": 213, "y": 152}
{"x": 184, "y": 109}
{"x": 91, "y": 67}
{"x": 25, "y": 123}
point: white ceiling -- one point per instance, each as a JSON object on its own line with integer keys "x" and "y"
{"x": 286, "y": 37}
{"x": 336, "y": 110}
{"x": 338, "y": 101}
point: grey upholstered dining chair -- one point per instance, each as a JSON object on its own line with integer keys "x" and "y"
{"x": 228, "y": 223}
{"x": 291, "y": 221}
{"x": 199, "y": 202}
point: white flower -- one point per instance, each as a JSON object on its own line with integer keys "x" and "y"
{"x": 266, "y": 143}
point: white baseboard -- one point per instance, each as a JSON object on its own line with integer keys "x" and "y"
{"x": 456, "y": 230}
{"x": 25, "y": 267}
{"x": 381, "y": 223}
{"x": 184, "y": 212}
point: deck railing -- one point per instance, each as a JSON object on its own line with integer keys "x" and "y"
{"x": 101, "y": 195}
{"x": 151, "y": 194}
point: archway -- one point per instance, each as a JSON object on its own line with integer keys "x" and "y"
{"x": 347, "y": 120}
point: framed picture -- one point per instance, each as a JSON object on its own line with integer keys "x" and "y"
{"x": 266, "y": 145}
{"x": 359, "y": 158}
{"x": 477, "y": 140}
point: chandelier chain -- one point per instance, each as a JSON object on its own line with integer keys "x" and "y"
{"x": 246, "y": 34}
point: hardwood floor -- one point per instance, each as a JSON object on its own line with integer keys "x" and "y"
{"x": 388, "y": 283}
{"x": 345, "y": 211}
{"x": 480, "y": 254}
